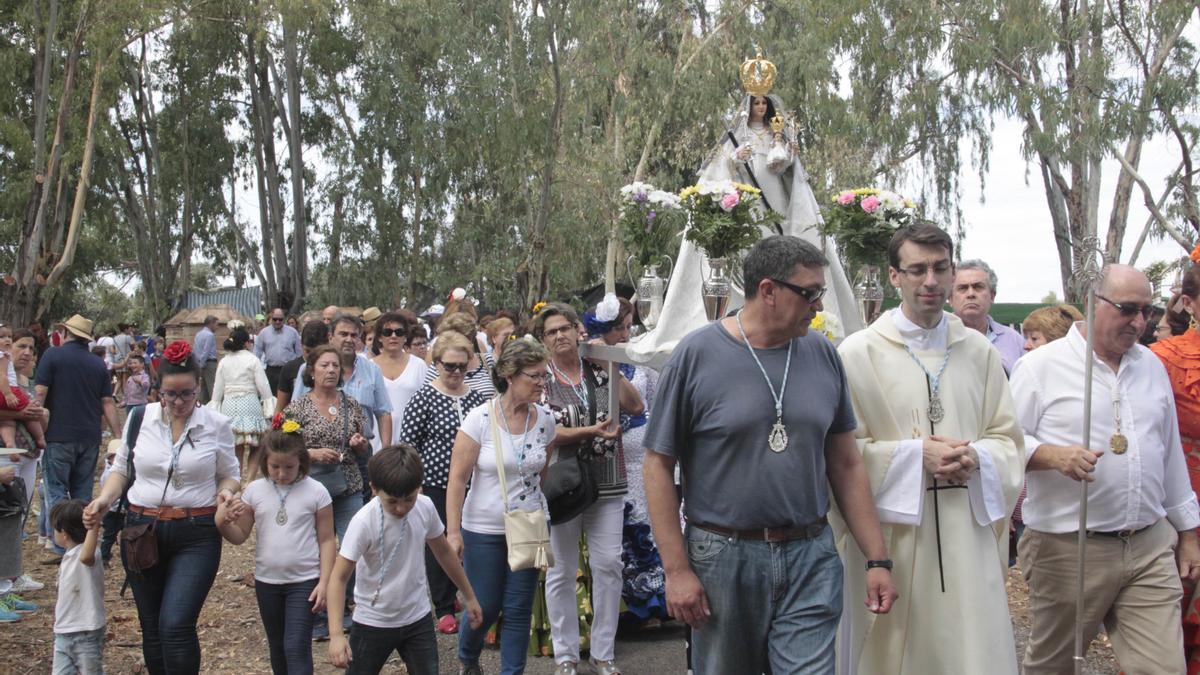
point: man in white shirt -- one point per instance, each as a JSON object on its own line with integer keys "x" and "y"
{"x": 1141, "y": 513}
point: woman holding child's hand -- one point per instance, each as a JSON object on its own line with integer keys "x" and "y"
{"x": 185, "y": 467}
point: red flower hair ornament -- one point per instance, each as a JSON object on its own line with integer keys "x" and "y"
{"x": 177, "y": 352}
{"x": 1195, "y": 255}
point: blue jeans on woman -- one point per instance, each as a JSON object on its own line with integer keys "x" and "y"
{"x": 485, "y": 559}
{"x": 287, "y": 620}
{"x": 170, "y": 595}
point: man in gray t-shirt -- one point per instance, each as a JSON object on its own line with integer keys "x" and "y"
{"x": 758, "y": 577}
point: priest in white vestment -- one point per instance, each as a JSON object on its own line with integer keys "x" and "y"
{"x": 940, "y": 439}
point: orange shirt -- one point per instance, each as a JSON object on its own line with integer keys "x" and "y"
{"x": 1181, "y": 356}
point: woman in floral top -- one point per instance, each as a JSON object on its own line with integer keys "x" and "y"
{"x": 430, "y": 422}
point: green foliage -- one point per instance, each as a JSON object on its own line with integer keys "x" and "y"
{"x": 863, "y": 221}
{"x": 723, "y": 218}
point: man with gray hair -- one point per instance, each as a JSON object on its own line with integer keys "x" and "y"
{"x": 972, "y": 296}
{"x": 760, "y": 444}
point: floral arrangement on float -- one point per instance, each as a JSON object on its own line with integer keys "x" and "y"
{"x": 863, "y": 221}
{"x": 723, "y": 219}
{"x": 648, "y": 222}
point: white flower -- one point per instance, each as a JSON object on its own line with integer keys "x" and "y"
{"x": 715, "y": 187}
{"x": 664, "y": 199}
{"x": 458, "y": 294}
{"x": 608, "y": 308}
{"x": 890, "y": 201}
{"x": 236, "y": 324}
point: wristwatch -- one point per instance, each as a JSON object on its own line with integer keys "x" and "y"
{"x": 886, "y": 564}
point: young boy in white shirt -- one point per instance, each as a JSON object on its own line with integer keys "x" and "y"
{"x": 79, "y": 613}
{"x": 384, "y": 547}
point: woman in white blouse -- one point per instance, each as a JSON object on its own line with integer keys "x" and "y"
{"x": 476, "y": 529}
{"x": 180, "y": 469}
{"x": 241, "y": 393}
{"x": 403, "y": 373}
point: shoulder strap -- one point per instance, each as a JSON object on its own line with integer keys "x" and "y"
{"x": 589, "y": 381}
{"x": 499, "y": 455}
{"x": 134, "y": 429}
{"x": 345, "y": 424}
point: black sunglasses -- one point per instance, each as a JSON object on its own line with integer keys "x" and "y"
{"x": 810, "y": 295}
{"x": 1128, "y": 309}
{"x": 392, "y": 332}
{"x": 454, "y": 367}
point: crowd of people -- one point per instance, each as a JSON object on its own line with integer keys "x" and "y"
{"x": 802, "y": 506}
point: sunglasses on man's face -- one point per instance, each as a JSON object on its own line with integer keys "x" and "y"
{"x": 1129, "y": 309}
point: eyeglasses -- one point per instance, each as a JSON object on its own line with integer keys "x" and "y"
{"x": 418, "y": 344}
{"x": 810, "y": 295}
{"x": 391, "y": 332}
{"x": 536, "y": 377}
{"x": 918, "y": 272}
{"x": 455, "y": 367}
{"x": 276, "y": 318}
{"x": 1129, "y": 309}
{"x": 556, "y": 331}
{"x": 172, "y": 396}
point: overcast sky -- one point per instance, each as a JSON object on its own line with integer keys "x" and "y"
{"x": 1011, "y": 229}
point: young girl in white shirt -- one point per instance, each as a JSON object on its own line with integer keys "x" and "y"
{"x": 296, "y": 546}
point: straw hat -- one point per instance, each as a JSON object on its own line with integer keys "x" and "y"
{"x": 370, "y": 314}
{"x": 79, "y": 326}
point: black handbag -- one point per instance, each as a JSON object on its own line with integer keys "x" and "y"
{"x": 570, "y": 484}
{"x": 331, "y": 475}
{"x": 12, "y": 498}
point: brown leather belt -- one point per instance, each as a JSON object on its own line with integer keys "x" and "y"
{"x": 1119, "y": 534}
{"x": 173, "y": 513}
{"x": 770, "y": 534}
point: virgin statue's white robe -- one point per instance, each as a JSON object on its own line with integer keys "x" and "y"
{"x": 964, "y": 628}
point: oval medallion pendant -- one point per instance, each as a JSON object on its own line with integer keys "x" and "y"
{"x": 778, "y": 439}
{"x": 281, "y": 517}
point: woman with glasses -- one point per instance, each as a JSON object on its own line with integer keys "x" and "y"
{"x": 475, "y": 529}
{"x": 578, "y": 394}
{"x": 241, "y": 393}
{"x": 479, "y": 368}
{"x": 1181, "y": 356}
{"x": 403, "y": 373}
{"x": 181, "y": 468}
{"x": 431, "y": 421}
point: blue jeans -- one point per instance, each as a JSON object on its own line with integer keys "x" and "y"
{"x": 287, "y": 620}
{"x": 485, "y": 559}
{"x": 68, "y": 470}
{"x": 170, "y": 595}
{"x": 81, "y": 652}
{"x": 416, "y": 643}
{"x": 775, "y": 606}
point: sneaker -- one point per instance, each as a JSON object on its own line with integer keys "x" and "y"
{"x": 566, "y": 668}
{"x": 18, "y": 605}
{"x": 7, "y": 615}
{"x": 24, "y": 584}
{"x": 447, "y": 625}
{"x": 605, "y": 667}
{"x": 48, "y": 544}
{"x": 469, "y": 669}
{"x": 320, "y": 632}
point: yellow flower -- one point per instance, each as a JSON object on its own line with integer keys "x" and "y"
{"x": 689, "y": 191}
{"x": 818, "y": 322}
{"x": 538, "y": 307}
{"x": 747, "y": 188}
{"x": 290, "y": 427}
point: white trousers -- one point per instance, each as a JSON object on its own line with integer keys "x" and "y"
{"x": 603, "y": 523}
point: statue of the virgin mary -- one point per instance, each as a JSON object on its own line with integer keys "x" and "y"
{"x": 758, "y": 148}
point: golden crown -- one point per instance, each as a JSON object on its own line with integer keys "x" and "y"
{"x": 758, "y": 74}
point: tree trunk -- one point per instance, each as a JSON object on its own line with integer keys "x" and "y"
{"x": 535, "y": 260}
{"x": 299, "y": 213}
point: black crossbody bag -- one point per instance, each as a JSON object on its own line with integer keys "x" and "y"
{"x": 570, "y": 485}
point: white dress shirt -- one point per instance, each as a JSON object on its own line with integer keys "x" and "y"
{"x": 1131, "y": 491}
{"x": 205, "y": 459}
{"x": 900, "y": 497}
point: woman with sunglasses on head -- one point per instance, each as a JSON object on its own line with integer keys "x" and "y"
{"x": 182, "y": 467}
{"x": 479, "y": 367}
{"x": 430, "y": 424}
{"x": 403, "y": 373}
{"x": 1181, "y": 356}
{"x": 577, "y": 393}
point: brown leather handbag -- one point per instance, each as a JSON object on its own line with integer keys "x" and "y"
{"x": 139, "y": 545}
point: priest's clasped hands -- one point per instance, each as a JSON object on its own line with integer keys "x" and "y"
{"x": 949, "y": 459}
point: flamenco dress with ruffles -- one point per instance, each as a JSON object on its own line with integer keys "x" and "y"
{"x": 1181, "y": 356}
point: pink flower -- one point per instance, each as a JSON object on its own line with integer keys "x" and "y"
{"x": 870, "y": 204}
{"x": 730, "y": 200}
{"x": 846, "y": 197}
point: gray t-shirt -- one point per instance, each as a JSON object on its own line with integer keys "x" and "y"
{"x": 713, "y": 412}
